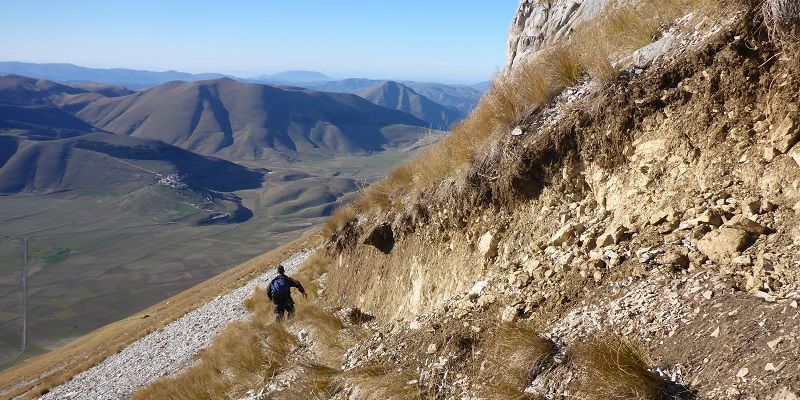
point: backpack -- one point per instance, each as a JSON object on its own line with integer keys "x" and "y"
{"x": 280, "y": 286}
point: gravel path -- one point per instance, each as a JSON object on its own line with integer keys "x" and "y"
{"x": 168, "y": 350}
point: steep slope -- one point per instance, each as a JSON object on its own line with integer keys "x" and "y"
{"x": 400, "y": 97}
{"x": 238, "y": 120}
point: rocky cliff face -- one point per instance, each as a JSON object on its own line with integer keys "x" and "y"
{"x": 540, "y": 22}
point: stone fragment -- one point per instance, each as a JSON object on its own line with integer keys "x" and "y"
{"x": 647, "y": 54}
{"x": 673, "y": 259}
{"x": 661, "y": 216}
{"x": 708, "y": 294}
{"x": 746, "y": 224}
{"x": 770, "y": 367}
{"x": 487, "y": 245}
{"x": 710, "y": 217}
{"x": 432, "y": 348}
{"x": 742, "y": 373}
{"x": 770, "y": 153}
{"x": 612, "y": 236}
{"x": 715, "y": 333}
{"x": 509, "y": 314}
{"x": 785, "y": 135}
{"x": 604, "y": 240}
{"x": 766, "y": 296}
{"x": 795, "y": 154}
{"x": 477, "y": 289}
{"x": 563, "y": 235}
{"x": 721, "y": 244}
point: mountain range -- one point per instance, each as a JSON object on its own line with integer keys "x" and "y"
{"x": 61, "y": 137}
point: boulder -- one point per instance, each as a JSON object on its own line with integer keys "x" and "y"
{"x": 673, "y": 259}
{"x": 721, "y": 244}
{"x": 509, "y": 314}
{"x": 785, "y": 135}
{"x": 487, "y": 245}
{"x": 746, "y": 224}
{"x": 612, "y": 236}
{"x": 710, "y": 217}
{"x": 661, "y": 216}
{"x": 647, "y": 54}
{"x": 563, "y": 235}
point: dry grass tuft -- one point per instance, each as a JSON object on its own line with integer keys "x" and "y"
{"x": 518, "y": 355}
{"x": 314, "y": 382}
{"x": 380, "y": 383}
{"x": 782, "y": 19}
{"x": 614, "y": 368}
{"x": 564, "y": 66}
{"x": 245, "y": 355}
{"x": 338, "y": 220}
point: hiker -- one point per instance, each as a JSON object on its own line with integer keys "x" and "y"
{"x": 279, "y": 291}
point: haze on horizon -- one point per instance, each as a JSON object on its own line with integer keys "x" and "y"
{"x": 445, "y": 40}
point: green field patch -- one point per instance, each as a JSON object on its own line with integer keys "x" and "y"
{"x": 65, "y": 314}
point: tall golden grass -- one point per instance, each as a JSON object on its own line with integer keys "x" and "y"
{"x": 614, "y": 368}
{"x": 518, "y": 354}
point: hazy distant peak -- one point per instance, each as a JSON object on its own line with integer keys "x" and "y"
{"x": 295, "y": 77}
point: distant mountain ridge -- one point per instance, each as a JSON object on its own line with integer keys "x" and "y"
{"x": 236, "y": 120}
{"x": 293, "y": 77}
{"x": 395, "y": 95}
{"x": 70, "y": 73}
{"x": 461, "y": 98}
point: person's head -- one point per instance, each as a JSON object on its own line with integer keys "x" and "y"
{"x": 281, "y": 270}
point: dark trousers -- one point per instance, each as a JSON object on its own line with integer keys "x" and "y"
{"x": 283, "y": 304}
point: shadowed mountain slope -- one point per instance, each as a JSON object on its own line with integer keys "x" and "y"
{"x": 26, "y": 91}
{"x": 42, "y": 121}
{"x": 461, "y": 98}
{"x": 238, "y": 120}
{"x": 99, "y": 160}
{"x": 400, "y": 97}
{"x": 22, "y": 90}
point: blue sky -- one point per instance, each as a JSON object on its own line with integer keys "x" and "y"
{"x": 446, "y": 40}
